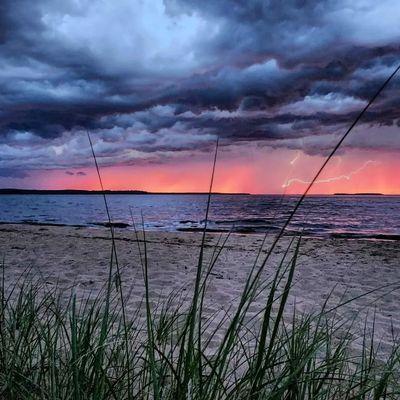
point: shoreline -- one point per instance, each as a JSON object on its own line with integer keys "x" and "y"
{"x": 245, "y": 231}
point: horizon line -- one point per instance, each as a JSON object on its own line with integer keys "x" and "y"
{"x": 4, "y": 191}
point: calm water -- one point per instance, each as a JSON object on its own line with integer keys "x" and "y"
{"x": 358, "y": 216}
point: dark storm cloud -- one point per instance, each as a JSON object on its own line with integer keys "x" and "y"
{"x": 151, "y": 79}
{"x": 78, "y": 173}
{"x": 13, "y": 173}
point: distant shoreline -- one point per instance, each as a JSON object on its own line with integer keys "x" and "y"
{"x": 13, "y": 191}
{"x": 360, "y": 194}
{"x": 100, "y": 192}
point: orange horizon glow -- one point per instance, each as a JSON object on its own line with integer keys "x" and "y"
{"x": 259, "y": 172}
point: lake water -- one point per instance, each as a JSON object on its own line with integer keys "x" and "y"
{"x": 348, "y": 216}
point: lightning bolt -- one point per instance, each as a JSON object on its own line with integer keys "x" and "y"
{"x": 334, "y": 178}
{"x": 295, "y": 158}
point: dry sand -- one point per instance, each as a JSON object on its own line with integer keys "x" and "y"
{"x": 79, "y": 258}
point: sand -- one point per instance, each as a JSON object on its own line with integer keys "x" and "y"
{"x": 75, "y": 257}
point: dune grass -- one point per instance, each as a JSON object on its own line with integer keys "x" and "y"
{"x": 58, "y": 347}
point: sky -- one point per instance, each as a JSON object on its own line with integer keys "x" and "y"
{"x": 156, "y": 82}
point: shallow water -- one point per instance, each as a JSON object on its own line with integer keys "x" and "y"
{"x": 348, "y": 216}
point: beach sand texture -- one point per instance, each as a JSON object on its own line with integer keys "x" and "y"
{"x": 78, "y": 258}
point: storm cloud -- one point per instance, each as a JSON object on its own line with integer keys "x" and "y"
{"x": 155, "y": 80}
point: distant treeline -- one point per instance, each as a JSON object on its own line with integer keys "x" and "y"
{"x": 358, "y": 194}
{"x": 95, "y": 192}
{"x": 68, "y": 191}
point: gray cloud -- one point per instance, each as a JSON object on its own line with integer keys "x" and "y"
{"x": 13, "y": 173}
{"x": 155, "y": 80}
{"x": 78, "y": 173}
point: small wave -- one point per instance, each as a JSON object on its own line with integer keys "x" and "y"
{"x": 241, "y": 221}
{"x": 233, "y": 229}
{"x": 113, "y": 224}
{"x": 39, "y": 223}
{"x": 361, "y": 235}
{"x": 196, "y": 229}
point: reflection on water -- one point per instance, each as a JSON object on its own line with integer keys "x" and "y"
{"x": 358, "y": 216}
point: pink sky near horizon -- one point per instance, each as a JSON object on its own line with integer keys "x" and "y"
{"x": 261, "y": 170}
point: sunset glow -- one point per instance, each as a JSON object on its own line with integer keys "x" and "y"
{"x": 264, "y": 171}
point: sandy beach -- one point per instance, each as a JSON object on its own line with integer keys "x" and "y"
{"x": 78, "y": 258}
